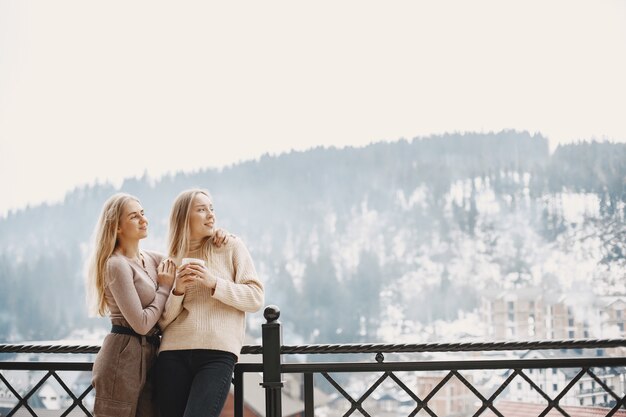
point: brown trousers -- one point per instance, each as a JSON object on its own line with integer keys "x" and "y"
{"x": 122, "y": 376}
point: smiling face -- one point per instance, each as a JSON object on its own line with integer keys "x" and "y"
{"x": 133, "y": 224}
{"x": 201, "y": 217}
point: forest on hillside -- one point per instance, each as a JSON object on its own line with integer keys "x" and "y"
{"x": 354, "y": 241}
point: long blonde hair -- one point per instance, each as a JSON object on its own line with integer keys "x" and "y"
{"x": 179, "y": 241}
{"x": 105, "y": 243}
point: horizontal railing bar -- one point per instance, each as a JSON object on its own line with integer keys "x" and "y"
{"x": 455, "y": 347}
{"x": 47, "y": 366}
{"x": 365, "y": 348}
{"x": 249, "y": 367}
{"x": 449, "y": 365}
{"x": 370, "y": 367}
{"x": 27, "y": 348}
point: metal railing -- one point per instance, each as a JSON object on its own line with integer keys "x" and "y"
{"x": 273, "y": 369}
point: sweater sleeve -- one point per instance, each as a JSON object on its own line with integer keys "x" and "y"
{"x": 244, "y": 292}
{"x": 173, "y": 307}
{"x": 120, "y": 282}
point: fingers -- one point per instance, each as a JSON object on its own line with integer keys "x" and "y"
{"x": 189, "y": 278}
{"x": 166, "y": 265}
{"x": 191, "y": 269}
{"x": 196, "y": 268}
{"x": 189, "y": 275}
{"x": 187, "y": 281}
{"x": 220, "y": 237}
{"x": 186, "y": 275}
{"x": 183, "y": 273}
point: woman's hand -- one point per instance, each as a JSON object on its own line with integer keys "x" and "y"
{"x": 166, "y": 272}
{"x": 191, "y": 274}
{"x": 220, "y": 237}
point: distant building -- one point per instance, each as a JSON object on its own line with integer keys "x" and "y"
{"x": 522, "y": 409}
{"x": 533, "y": 314}
{"x": 550, "y": 381}
{"x": 590, "y": 392}
{"x": 387, "y": 400}
{"x": 586, "y": 392}
{"x": 49, "y": 397}
{"x": 453, "y": 399}
{"x": 612, "y": 311}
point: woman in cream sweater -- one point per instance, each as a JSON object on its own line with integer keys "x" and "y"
{"x": 203, "y": 323}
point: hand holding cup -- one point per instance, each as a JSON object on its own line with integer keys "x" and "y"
{"x": 193, "y": 271}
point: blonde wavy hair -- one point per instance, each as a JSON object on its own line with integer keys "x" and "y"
{"x": 179, "y": 233}
{"x": 105, "y": 242}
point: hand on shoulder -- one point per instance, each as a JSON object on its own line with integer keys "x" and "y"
{"x": 222, "y": 238}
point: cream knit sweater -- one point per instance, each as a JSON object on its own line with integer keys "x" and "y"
{"x": 201, "y": 320}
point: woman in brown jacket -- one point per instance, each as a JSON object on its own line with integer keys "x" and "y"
{"x": 131, "y": 286}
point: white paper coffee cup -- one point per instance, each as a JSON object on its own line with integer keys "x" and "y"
{"x": 186, "y": 261}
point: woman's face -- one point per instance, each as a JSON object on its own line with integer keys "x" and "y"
{"x": 133, "y": 223}
{"x": 201, "y": 217}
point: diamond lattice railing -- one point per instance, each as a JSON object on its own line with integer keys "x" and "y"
{"x": 35, "y": 386}
{"x": 486, "y": 405}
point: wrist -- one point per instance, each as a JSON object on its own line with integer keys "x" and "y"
{"x": 176, "y": 292}
{"x": 213, "y": 284}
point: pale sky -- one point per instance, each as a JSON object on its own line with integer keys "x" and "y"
{"x": 93, "y": 90}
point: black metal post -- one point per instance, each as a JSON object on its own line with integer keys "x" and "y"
{"x": 309, "y": 400}
{"x": 238, "y": 379}
{"x": 272, "y": 342}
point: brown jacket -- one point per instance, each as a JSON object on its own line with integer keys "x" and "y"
{"x": 122, "y": 375}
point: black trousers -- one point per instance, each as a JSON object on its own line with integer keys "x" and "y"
{"x": 193, "y": 383}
